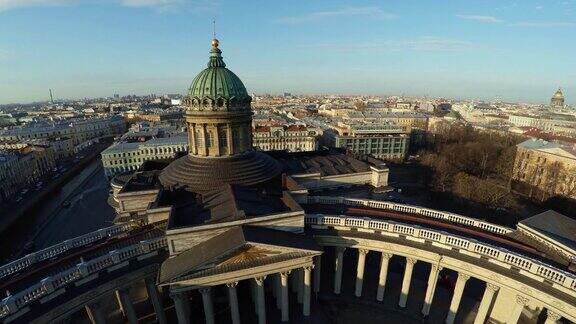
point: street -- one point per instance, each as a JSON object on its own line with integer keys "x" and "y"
{"x": 88, "y": 210}
{"x": 51, "y": 222}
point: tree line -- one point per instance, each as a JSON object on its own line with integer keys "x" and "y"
{"x": 471, "y": 164}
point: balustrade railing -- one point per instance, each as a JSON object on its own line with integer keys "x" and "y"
{"x": 55, "y": 250}
{"x": 17, "y": 301}
{"x": 454, "y": 218}
{"x": 506, "y": 258}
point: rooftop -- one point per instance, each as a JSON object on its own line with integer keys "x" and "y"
{"x": 224, "y": 204}
{"x": 554, "y": 225}
{"x": 327, "y": 162}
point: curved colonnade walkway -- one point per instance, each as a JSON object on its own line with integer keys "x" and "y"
{"x": 500, "y": 270}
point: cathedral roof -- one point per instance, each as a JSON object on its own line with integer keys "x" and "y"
{"x": 217, "y": 81}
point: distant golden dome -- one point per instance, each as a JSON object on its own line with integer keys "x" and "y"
{"x": 559, "y": 94}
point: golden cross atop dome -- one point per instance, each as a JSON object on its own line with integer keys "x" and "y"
{"x": 215, "y": 41}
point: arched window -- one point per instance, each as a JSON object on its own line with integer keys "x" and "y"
{"x": 222, "y": 138}
{"x": 199, "y": 139}
{"x": 209, "y": 139}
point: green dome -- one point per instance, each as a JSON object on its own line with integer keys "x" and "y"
{"x": 217, "y": 81}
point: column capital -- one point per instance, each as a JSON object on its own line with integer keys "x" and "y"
{"x": 260, "y": 280}
{"x": 386, "y": 255}
{"x": 435, "y": 267}
{"x": 363, "y": 251}
{"x": 308, "y": 267}
{"x": 232, "y": 284}
{"x": 205, "y": 290}
{"x": 340, "y": 249}
{"x": 178, "y": 295}
{"x": 552, "y": 316}
{"x": 411, "y": 261}
{"x": 285, "y": 273}
{"x": 492, "y": 286}
{"x": 463, "y": 276}
{"x": 521, "y": 300}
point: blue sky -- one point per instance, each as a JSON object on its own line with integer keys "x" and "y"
{"x": 514, "y": 50}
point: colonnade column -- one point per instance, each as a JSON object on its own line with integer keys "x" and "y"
{"x": 156, "y": 300}
{"x": 207, "y": 302}
{"x": 278, "y": 284}
{"x": 230, "y": 140}
{"x": 552, "y": 318}
{"x": 406, "y": 281}
{"x": 126, "y": 305}
{"x": 119, "y": 301}
{"x": 260, "y": 299}
{"x": 95, "y": 313}
{"x": 384, "y": 259}
{"x": 360, "y": 271}
{"x": 487, "y": 299}
{"x": 284, "y": 295}
{"x": 431, "y": 288}
{"x": 233, "y": 301}
{"x": 317, "y": 273}
{"x": 457, "y": 297}
{"x": 300, "y": 285}
{"x": 306, "y": 297}
{"x": 517, "y": 308}
{"x": 338, "y": 275}
{"x": 192, "y": 134}
{"x": 205, "y": 134}
{"x": 182, "y": 305}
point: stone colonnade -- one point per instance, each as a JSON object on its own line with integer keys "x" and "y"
{"x": 486, "y": 302}
{"x": 300, "y": 279}
{"x": 97, "y": 316}
{"x": 280, "y": 283}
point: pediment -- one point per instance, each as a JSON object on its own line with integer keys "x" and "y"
{"x": 241, "y": 248}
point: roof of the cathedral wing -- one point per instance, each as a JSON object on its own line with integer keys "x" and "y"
{"x": 241, "y": 247}
{"x": 555, "y": 226}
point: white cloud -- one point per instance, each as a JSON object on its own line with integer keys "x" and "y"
{"x": 157, "y": 4}
{"x": 422, "y": 44}
{"x": 436, "y": 44}
{"x": 544, "y": 24}
{"x": 165, "y": 4}
{"x": 13, "y": 4}
{"x": 372, "y": 12}
{"x": 480, "y": 18}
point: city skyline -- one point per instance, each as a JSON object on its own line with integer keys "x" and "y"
{"x": 489, "y": 50}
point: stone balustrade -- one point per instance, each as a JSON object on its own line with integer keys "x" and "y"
{"x": 20, "y": 300}
{"x": 529, "y": 267}
{"x": 386, "y": 205}
{"x": 55, "y": 250}
{"x": 535, "y": 269}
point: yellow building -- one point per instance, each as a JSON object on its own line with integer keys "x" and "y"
{"x": 292, "y": 138}
{"x": 548, "y": 166}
